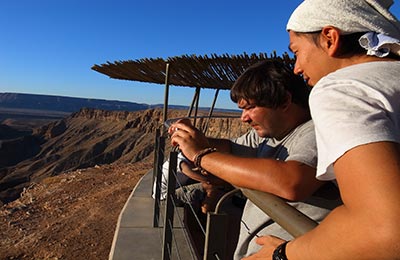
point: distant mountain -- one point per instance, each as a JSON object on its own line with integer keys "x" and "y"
{"x": 73, "y": 104}
{"x": 64, "y": 104}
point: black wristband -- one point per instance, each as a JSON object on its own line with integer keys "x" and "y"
{"x": 280, "y": 252}
{"x": 199, "y": 156}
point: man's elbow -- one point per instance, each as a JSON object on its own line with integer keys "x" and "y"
{"x": 294, "y": 193}
{"x": 291, "y": 191}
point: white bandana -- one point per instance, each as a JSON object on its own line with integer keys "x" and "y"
{"x": 350, "y": 16}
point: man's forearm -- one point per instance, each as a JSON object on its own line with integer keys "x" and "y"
{"x": 222, "y": 145}
{"x": 297, "y": 182}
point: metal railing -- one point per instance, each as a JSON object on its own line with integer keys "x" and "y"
{"x": 288, "y": 217}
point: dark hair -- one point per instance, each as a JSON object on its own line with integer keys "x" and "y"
{"x": 348, "y": 45}
{"x": 268, "y": 83}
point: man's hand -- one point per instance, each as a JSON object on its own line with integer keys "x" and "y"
{"x": 268, "y": 243}
{"x": 185, "y": 121}
{"x": 189, "y": 139}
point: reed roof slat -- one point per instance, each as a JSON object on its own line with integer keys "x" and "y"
{"x": 214, "y": 71}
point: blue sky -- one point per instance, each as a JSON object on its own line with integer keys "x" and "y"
{"x": 49, "y": 47}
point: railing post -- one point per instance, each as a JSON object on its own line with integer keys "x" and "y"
{"x": 216, "y": 232}
{"x": 157, "y": 174}
{"x": 169, "y": 207}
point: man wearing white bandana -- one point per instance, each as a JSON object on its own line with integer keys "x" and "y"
{"x": 349, "y": 51}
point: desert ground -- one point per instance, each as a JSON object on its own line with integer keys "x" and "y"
{"x": 69, "y": 216}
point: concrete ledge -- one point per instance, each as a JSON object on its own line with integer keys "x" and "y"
{"x": 135, "y": 237}
{"x": 138, "y": 243}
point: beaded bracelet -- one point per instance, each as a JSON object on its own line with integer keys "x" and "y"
{"x": 199, "y": 156}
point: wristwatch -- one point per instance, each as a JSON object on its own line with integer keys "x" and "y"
{"x": 280, "y": 252}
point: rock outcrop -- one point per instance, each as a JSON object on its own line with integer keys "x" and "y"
{"x": 87, "y": 138}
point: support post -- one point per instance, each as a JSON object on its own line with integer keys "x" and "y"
{"x": 196, "y": 105}
{"x": 166, "y": 95}
{"x": 192, "y": 104}
{"x": 204, "y": 130}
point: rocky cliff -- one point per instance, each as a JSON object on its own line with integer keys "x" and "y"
{"x": 84, "y": 139}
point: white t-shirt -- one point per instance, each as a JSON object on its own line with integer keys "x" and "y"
{"x": 181, "y": 178}
{"x": 352, "y": 106}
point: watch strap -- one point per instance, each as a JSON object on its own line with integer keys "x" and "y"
{"x": 280, "y": 252}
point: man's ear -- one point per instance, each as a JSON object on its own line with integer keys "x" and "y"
{"x": 330, "y": 39}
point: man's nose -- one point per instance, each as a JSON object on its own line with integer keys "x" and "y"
{"x": 244, "y": 117}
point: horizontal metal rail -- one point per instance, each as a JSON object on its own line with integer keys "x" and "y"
{"x": 288, "y": 217}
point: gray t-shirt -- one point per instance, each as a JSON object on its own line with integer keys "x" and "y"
{"x": 298, "y": 145}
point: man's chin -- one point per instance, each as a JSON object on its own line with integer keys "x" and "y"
{"x": 260, "y": 133}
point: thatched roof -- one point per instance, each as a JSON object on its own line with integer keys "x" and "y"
{"x": 215, "y": 71}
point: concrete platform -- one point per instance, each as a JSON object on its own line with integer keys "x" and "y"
{"x": 136, "y": 238}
